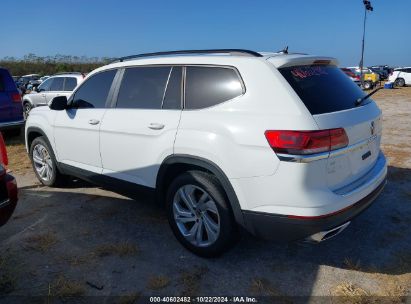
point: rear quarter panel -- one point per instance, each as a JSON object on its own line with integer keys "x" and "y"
{"x": 231, "y": 134}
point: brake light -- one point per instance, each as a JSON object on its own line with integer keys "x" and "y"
{"x": 15, "y": 97}
{"x": 3, "y": 152}
{"x": 306, "y": 142}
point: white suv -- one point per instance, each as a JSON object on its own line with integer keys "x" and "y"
{"x": 282, "y": 145}
{"x": 401, "y": 77}
{"x": 61, "y": 84}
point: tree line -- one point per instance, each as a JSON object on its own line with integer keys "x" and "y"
{"x": 49, "y": 65}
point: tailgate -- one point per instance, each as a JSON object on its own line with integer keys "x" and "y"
{"x": 331, "y": 97}
{"x": 363, "y": 128}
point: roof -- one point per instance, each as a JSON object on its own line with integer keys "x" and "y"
{"x": 215, "y": 57}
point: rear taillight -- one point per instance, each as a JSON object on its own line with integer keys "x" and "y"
{"x": 15, "y": 97}
{"x": 306, "y": 142}
{"x": 3, "y": 152}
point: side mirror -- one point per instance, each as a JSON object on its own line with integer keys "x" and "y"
{"x": 59, "y": 103}
{"x": 38, "y": 90}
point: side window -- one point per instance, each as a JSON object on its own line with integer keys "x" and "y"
{"x": 70, "y": 83}
{"x": 209, "y": 86}
{"x": 94, "y": 91}
{"x": 408, "y": 70}
{"x": 57, "y": 84}
{"x": 172, "y": 97}
{"x": 45, "y": 85}
{"x": 143, "y": 87}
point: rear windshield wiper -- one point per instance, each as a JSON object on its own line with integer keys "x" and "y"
{"x": 359, "y": 101}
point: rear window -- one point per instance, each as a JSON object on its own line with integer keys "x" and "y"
{"x": 70, "y": 84}
{"x": 323, "y": 88}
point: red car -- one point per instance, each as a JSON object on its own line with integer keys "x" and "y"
{"x": 352, "y": 76}
{"x": 8, "y": 187}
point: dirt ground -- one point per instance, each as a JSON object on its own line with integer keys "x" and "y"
{"x": 82, "y": 241}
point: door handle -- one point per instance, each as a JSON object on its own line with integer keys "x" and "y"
{"x": 156, "y": 126}
{"x": 94, "y": 121}
{"x": 44, "y": 95}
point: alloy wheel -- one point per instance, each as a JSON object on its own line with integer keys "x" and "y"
{"x": 196, "y": 215}
{"x": 43, "y": 162}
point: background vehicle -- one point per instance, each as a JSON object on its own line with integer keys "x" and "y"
{"x": 401, "y": 76}
{"x": 382, "y": 70}
{"x": 369, "y": 77}
{"x": 11, "y": 112}
{"x": 33, "y": 84}
{"x": 57, "y": 85}
{"x": 354, "y": 77}
{"x": 23, "y": 81}
{"x": 8, "y": 187}
{"x": 276, "y": 144}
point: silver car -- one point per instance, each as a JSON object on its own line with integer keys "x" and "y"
{"x": 56, "y": 85}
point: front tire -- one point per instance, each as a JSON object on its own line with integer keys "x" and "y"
{"x": 44, "y": 163}
{"x": 200, "y": 215}
{"x": 399, "y": 82}
{"x": 367, "y": 85}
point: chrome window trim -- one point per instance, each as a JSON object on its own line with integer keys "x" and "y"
{"x": 165, "y": 88}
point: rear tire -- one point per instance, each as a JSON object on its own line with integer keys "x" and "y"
{"x": 399, "y": 82}
{"x": 26, "y": 109}
{"x": 44, "y": 163}
{"x": 200, "y": 215}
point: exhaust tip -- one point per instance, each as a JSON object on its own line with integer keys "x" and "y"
{"x": 327, "y": 234}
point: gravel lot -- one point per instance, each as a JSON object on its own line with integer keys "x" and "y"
{"x": 85, "y": 241}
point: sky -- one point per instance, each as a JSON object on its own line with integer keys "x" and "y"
{"x": 115, "y": 28}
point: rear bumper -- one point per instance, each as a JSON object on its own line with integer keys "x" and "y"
{"x": 8, "y": 188}
{"x": 286, "y": 228}
{"x": 11, "y": 124}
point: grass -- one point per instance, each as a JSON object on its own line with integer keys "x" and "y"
{"x": 158, "y": 282}
{"x": 65, "y": 288}
{"x": 19, "y": 161}
{"x": 350, "y": 293}
{"x": 120, "y": 249}
{"x": 42, "y": 242}
{"x": 191, "y": 280}
{"x": 262, "y": 287}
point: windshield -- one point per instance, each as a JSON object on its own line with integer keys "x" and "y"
{"x": 323, "y": 88}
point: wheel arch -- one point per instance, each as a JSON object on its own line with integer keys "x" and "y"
{"x": 27, "y": 100}
{"x": 176, "y": 164}
{"x": 32, "y": 133}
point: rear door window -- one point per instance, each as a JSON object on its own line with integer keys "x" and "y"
{"x": 57, "y": 84}
{"x": 143, "y": 87}
{"x": 209, "y": 86}
{"x": 323, "y": 88}
{"x": 70, "y": 83}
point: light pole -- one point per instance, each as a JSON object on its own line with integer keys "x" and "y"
{"x": 367, "y": 7}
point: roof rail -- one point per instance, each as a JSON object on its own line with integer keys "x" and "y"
{"x": 64, "y": 73}
{"x": 239, "y": 52}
